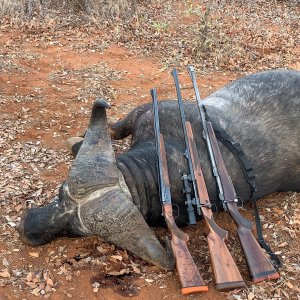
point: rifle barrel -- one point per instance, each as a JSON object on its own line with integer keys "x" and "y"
{"x": 187, "y": 153}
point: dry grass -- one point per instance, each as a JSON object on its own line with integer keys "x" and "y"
{"x": 96, "y": 9}
{"x": 237, "y": 35}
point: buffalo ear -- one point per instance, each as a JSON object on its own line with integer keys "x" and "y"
{"x": 73, "y": 144}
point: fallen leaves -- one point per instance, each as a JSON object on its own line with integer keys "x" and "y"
{"x": 36, "y": 114}
{"x": 40, "y": 283}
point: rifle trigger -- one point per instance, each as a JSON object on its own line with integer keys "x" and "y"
{"x": 211, "y": 206}
{"x": 239, "y": 201}
{"x": 214, "y": 208}
{"x": 175, "y": 212}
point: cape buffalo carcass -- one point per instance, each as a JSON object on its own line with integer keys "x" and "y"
{"x": 115, "y": 197}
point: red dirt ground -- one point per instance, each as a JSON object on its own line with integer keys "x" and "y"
{"x": 45, "y": 89}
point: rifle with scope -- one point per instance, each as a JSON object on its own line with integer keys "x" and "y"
{"x": 227, "y": 275}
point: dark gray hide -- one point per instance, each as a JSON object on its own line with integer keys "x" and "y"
{"x": 261, "y": 112}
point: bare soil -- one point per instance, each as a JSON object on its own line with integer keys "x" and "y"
{"x": 49, "y": 78}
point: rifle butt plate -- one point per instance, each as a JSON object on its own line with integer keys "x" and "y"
{"x": 265, "y": 276}
{"x": 194, "y": 290}
{"x": 226, "y": 286}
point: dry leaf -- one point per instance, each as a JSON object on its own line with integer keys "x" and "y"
{"x": 250, "y": 296}
{"x": 31, "y": 284}
{"x": 84, "y": 255}
{"x": 29, "y": 277}
{"x": 5, "y": 262}
{"x": 117, "y": 257}
{"x": 48, "y": 289}
{"x": 149, "y": 280}
{"x": 135, "y": 268}
{"x": 49, "y": 282}
{"x": 285, "y": 294}
{"x": 42, "y": 286}
{"x": 34, "y": 254}
{"x": 124, "y": 271}
{"x": 18, "y": 207}
{"x": 36, "y": 292}
{"x": 125, "y": 255}
{"x": 102, "y": 250}
{"x": 114, "y": 273}
{"x": 69, "y": 277}
{"x": 5, "y": 274}
{"x": 118, "y": 273}
{"x": 288, "y": 284}
{"x": 62, "y": 270}
{"x": 96, "y": 287}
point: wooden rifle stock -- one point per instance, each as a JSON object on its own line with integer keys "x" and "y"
{"x": 227, "y": 275}
{"x": 189, "y": 276}
{"x": 258, "y": 263}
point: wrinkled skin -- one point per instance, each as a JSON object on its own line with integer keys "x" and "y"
{"x": 112, "y": 197}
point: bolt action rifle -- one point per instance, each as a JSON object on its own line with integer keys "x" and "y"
{"x": 227, "y": 275}
{"x": 189, "y": 276}
{"x": 186, "y": 178}
{"x": 258, "y": 263}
